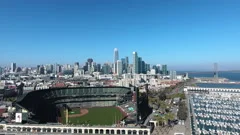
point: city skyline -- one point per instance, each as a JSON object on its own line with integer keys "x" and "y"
{"x": 82, "y": 64}
{"x": 189, "y": 35}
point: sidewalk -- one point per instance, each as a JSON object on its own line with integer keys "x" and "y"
{"x": 171, "y": 131}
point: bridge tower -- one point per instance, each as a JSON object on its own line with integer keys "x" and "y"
{"x": 216, "y": 72}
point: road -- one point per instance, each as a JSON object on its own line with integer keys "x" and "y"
{"x": 148, "y": 119}
{"x": 186, "y": 128}
{"x": 180, "y": 87}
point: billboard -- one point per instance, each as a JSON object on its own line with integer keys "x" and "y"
{"x": 18, "y": 117}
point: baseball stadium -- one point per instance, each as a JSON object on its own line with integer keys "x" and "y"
{"x": 89, "y": 106}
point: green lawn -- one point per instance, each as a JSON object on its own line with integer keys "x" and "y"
{"x": 96, "y": 116}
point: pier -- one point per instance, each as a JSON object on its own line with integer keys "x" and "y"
{"x": 208, "y": 90}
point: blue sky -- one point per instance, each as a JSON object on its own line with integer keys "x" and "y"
{"x": 185, "y": 34}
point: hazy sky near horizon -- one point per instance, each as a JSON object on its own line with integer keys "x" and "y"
{"x": 185, "y": 34}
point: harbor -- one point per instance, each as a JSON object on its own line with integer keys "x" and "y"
{"x": 215, "y": 114}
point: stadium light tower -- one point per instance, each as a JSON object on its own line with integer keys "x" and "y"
{"x": 66, "y": 112}
{"x": 66, "y": 116}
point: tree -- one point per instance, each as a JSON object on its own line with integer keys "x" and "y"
{"x": 162, "y": 96}
{"x": 170, "y": 116}
{"x": 162, "y": 104}
{"x": 194, "y": 85}
{"x": 182, "y": 112}
{"x": 161, "y": 120}
{"x": 182, "y": 104}
{"x": 152, "y": 100}
{"x": 180, "y": 95}
{"x": 167, "y": 110}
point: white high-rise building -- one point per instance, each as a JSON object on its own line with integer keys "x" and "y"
{"x": 119, "y": 67}
{"x": 91, "y": 68}
{"x": 173, "y": 75}
{"x": 186, "y": 76}
{"x": 13, "y": 67}
{"x": 153, "y": 71}
{"x": 55, "y": 68}
{"x": 76, "y": 68}
{"x": 116, "y": 58}
{"x": 135, "y": 63}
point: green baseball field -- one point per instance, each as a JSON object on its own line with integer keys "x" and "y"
{"x": 93, "y": 116}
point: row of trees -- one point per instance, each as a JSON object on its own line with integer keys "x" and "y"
{"x": 182, "y": 111}
{"x": 159, "y": 103}
{"x": 159, "y": 100}
{"x": 164, "y": 119}
{"x": 10, "y": 99}
{"x": 180, "y": 95}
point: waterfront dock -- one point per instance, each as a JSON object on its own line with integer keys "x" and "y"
{"x": 215, "y": 114}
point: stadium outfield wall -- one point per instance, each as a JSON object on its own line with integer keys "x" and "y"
{"x": 62, "y": 129}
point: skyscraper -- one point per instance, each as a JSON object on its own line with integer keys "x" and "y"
{"x": 59, "y": 68}
{"x": 18, "y": 69}
{"x": 49, "y": 68}
{"x": 135, "y": 63}
{"x": 13, "y": 67}
{"x": 124, "y": 69}
{"x": 173, "y": 75}
{"x": 1, "y": 70}
{"x": 85, "y": 67}
{"x": 147, "y": 67}
{"x": 42, "y": 70}
{"x": 128, "y": 70}
{"x": 38, "y": 69}
{"x": 119, "y": 67}
{"x": 154, "y": 67}
{"x": 90, "y": 65}
{"x": 106, "y": 69}
{"x": 140, "y": 65}
{"x": 116, "y": 55}
{"x": 55, "y": 68}
{"x": 143, "y": 67}
{"x": 76, "y": 67}
{"x": 158, "y": 67}
{"x": 76, "y": 64}
{"x": 116, "y": 58}
{"x": 99, "y": 67}
{"x": 127, "y": 62}
{"x": 94, "y": 66}
{"x": 164, "y": 70}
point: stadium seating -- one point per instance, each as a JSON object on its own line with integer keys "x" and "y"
{"x": 37, "y": 102}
